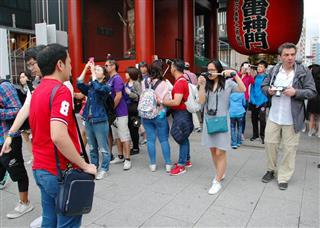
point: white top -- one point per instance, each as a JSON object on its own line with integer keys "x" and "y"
{"x": 280, "y": 111}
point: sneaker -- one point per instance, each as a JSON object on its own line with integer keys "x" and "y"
{"x": 36, "y": 223}
{"x": 262, "y": 140}
{"x": 134, "y": 151}
{"x": 215, "y": 188}
{"x": 168, "y": 168}
{"x": 101, "y": 174}
{"x": 253, "y": 138}
{"x": 319, "y": 166}
{"x": 117, "y": 160}
{"x": 198, "y": 129}
{"x": 283, "y": 186}
{"x": 143, "y": 142}
{"x": 127, "y": 165}
{"x": 188, "y": 164}
{"x": 311, "y": 132}
{"x": 153, "y": 167}
{"x": 4, "y": 181}
{"x": 242, "y": 137}
{"x": 20, "y": 210}
{"x": 177, "y": 170}
{"x": 234, "y": 147}
{"x": 267, "y": 177}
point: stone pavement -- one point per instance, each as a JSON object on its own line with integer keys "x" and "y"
{"x": 140, "y": 198}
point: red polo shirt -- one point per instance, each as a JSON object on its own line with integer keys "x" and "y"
{"x": 181, "y": 87}
{"x": 40, "y": 118}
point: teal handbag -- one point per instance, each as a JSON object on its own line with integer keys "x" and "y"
{"x": 216, "y": 124}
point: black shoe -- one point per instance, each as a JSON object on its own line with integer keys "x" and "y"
{"x": 253, "y": 138}
{"x": 134, "y": 151}
{"x": 283, "y": 186}
{"x": 112, "y": 157}
{"x": 318, "y": 165}
{"x": 267, "y": 177}
{"x": 262, "y": 140}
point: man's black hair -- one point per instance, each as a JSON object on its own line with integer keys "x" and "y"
{"x": 31, "y": 53}
{"x": 113, "y": 61}
{"x": 264, "y": 63}
{"x": 47, "y": 58}
{"x": 179, "y": 65}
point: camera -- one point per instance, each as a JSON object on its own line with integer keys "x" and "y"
{"x": 278, "y": 90}
{"x": 212, "y": 112}
{"x": 205, "y": 74}
{"x": 168, "y": 61}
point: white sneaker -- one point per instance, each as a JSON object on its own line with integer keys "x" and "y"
{"x": 215, "y": 188}
{"x": 117, "y": 160}
{"x": 36, "y": 223}
{"x": 127, "y": 165}
{"x": 144, "y": 141}
{"x": 168, "y": 168}
{"x": 101, "y": 174}
{"x": 311, "y": 132}
{"x": 153, "y": 167}
{"x": 20, "y": 210}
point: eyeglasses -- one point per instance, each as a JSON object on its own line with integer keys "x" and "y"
{"x": 109, "y": 65}
{"x": 31, "y": 65}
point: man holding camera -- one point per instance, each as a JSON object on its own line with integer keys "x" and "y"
{"x": 288, "y": 84}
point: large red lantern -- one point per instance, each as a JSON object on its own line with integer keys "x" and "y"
{"x": 261, "y": 26}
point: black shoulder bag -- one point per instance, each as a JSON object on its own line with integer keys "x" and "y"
{"x": 76, "y": 188}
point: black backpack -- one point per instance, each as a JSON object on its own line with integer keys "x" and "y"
{"x": 108, "y": 103}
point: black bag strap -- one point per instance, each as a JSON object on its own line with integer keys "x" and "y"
{"x": 156, "y": 84}
{"x": 83, "y": 150}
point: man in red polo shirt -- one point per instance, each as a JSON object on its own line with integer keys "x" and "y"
{"x": 180, "y": 93}
{"x": 54, "y": 126}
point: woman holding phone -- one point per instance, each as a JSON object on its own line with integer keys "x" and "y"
{"x": 95, "y": 115}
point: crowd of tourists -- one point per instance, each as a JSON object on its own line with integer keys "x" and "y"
{"x": 140, "y": 107}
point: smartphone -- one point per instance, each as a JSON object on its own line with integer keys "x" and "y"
{"x": 91, "y": 59}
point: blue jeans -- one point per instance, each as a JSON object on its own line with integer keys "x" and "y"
{"x": 157, "y": 127}
{"x": 236, "y": 130}
{"x": 49, "y": 188}
{"x": 97, "y": 134}
{"x": 184, "y": 152}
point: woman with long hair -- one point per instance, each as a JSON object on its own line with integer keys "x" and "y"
{"x": 25, "y": 87}
{"x": 95, "y": 115}
{"x": 157, "y": 127}
{"x": 214, "y": 94}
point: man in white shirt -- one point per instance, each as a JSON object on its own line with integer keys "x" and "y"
{"x": 288, "y": 84}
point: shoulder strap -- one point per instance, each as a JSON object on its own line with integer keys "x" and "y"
{"x": 156, "y": 84}
{"x": 83, "y": 150}
{"x": 188, "y": 77}
{"x": 146, "y": 85}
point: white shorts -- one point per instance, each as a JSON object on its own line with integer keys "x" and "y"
{"x": 120, "y": 129}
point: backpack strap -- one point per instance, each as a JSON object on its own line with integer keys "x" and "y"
{"x": 186, "y": 73}
{"x": 156, "y": 84}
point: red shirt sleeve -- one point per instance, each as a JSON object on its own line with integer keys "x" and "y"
{"x": 61, "y": 109}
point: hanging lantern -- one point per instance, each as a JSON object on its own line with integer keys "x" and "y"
{"x": 261, "y": 26}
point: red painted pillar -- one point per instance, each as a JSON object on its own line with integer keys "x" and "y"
{"x": 144, "y": 27}
{"x": 188, "y": 32}
{"x": 75, "y": 37}
{"x": 214, "y": 30}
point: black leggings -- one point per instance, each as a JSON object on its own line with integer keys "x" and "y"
{"x": 13, "y": 163}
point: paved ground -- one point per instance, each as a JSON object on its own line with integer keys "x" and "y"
{"x": 140, "y": 198}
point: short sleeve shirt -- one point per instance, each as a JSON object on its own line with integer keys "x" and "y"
{"x": 40, "y": 118}
{"x": 181, "y": 87}
{"x": 117, "y": 85}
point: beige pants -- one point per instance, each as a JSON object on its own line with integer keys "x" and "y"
{"x": 284, "y": 134}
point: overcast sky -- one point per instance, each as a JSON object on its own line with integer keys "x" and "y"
{"x": 312, "y": 17}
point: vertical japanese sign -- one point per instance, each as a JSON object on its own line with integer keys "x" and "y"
{"x": 260, "y": 26}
